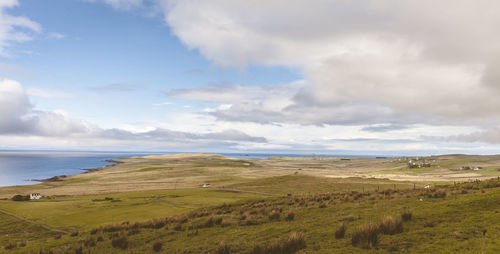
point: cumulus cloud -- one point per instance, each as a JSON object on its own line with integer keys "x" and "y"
{"x": 18, "y": 117}
{"x": 365, "y": 62}
{"x": 14, "y": 28}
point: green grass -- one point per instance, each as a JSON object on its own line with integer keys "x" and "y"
{"x": 454, "y": 224}
{"x": 154, "y": 169}
{"x": 75, "y": 213}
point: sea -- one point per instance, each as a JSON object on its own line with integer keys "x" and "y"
{"x": 25, "y": 167}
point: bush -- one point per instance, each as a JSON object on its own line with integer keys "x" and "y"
{"x": 406, "y": 215}
{"x": 120, "y": 242}
{"x": 340, "y": 231}
{"x": 223, "y": 248}
{"x": 290, "y": 216}
{"x": 21, "y": 198}
{"x": 365, "y": 236}
{"x": 157, "y": 246}
{"x": 74, "y": 234}
{"x": 391, "y": 226}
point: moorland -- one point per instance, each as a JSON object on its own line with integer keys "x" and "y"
{"x": 206, "y": 203}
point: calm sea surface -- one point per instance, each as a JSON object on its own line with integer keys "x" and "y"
{"x": 20, "y": 167}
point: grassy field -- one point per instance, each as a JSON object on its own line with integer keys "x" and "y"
{"x": 248, "y": 207}
{"x": 465, "y": 219}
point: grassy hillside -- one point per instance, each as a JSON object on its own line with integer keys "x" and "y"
{"x": 463, "y": 218}
{"x": 278, "y": 205}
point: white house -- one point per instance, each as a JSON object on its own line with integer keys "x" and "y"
{"x": 36, "y": 196}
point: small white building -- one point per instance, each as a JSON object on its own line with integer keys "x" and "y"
{"x": 36, "y": 196}
{"x": 206, "y": 185}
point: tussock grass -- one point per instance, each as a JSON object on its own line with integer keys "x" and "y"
{"x": 366, "y": 236}
{"x": 406, "y": 215}
{"x": 223, "y": 248}
{"x": 120, "y": 242}
{"x": 340, "y": 232}
{"x": 295, "y": 242}
{"x": 390, "y": 226}
{"x": 157, "y": 246}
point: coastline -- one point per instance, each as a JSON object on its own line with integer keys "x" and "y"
{"x": 60, "y": 178}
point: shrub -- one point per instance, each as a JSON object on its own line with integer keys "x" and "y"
{"x": 406, "y": 215}
{"x": 365, "y": 236}
{"x": 74, "y": 234}
{"x": 157, "y": 246}
{"x": 100, "y": 239}
{"x": 120, "y": 242}
{"x": 391, "y": 226}
{"x": 21, "y": 198}
{"x": 290, "y": 216}
{"x": 340, "y": 231}
{"x": 223, "y": 248}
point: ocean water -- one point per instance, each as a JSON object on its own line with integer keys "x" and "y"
{"x": 21, "y": 167}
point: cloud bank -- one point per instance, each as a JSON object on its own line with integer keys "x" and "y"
{"x": 365, "y": 62}
{"x": 19, "y": 118}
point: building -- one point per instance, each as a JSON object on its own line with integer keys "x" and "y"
{"x": 36, "y": 196}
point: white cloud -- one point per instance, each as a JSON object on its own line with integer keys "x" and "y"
{"x": 55, "y": 35}
{"x": 166, "y": 103}
{"x": 19, "y": 118}
{"x": 372, "y": 62}
{"x": 14, "y": 28}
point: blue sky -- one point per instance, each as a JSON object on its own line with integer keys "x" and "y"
{"x": 352, "y": 77}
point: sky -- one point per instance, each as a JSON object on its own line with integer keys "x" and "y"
{"x": 356, "y": 77}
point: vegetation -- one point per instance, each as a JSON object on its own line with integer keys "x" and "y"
{"x": 275, "y": 214}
